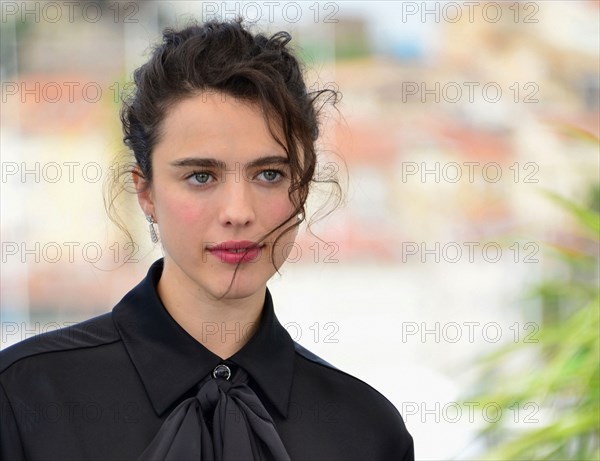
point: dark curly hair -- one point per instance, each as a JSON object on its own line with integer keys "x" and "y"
{"x": 226, "y": 57}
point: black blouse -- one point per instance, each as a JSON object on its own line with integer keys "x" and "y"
{"x": 101, "y": 389}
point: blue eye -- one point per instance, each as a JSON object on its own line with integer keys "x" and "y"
{"x": 201, "y": 177}
{"x": 271, "y": 175}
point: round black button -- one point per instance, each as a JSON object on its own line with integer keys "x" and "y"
{"x": 221, "y": 372}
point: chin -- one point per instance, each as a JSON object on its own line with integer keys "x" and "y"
{"x": 244, "y": 285}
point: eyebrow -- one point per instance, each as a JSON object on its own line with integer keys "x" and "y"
{"x": 219, "y": 164}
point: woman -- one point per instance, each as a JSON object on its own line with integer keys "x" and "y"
{"x": 192, "y": 363}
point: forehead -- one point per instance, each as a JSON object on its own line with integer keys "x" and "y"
{"x": 216, "y": 124}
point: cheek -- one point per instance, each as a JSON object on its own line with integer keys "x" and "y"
{"x": 280, "y": 208}
{"x": 182, "y": 212}
{"x": 187, "y": 214}
{"x": 278, "y": 212}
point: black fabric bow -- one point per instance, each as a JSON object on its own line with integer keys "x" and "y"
{"x": 224, "y": 421}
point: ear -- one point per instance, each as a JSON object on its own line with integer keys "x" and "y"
{"x": 143, "y": 190}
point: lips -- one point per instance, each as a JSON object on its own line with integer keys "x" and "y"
{"x": 235, "y": 252}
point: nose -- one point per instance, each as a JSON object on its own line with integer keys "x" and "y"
{"x": 237, "y": 204}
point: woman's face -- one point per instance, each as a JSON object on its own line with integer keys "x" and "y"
{"x": 219, "y": 178}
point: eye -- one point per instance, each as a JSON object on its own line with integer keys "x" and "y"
{"x": 270, "y": 176}
{"x": 200, "y": 178}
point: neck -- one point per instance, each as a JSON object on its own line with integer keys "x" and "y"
{"x": 223, "y": 326}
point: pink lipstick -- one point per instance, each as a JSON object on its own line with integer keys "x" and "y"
{"x": 236, "y": 251}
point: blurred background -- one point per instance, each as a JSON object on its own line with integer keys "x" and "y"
{"x": 460, "y": 278}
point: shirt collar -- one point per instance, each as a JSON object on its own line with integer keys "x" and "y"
{"x": 170, "y": 361}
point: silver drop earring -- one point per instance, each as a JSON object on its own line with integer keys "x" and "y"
{"x": 153, "y": 234}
